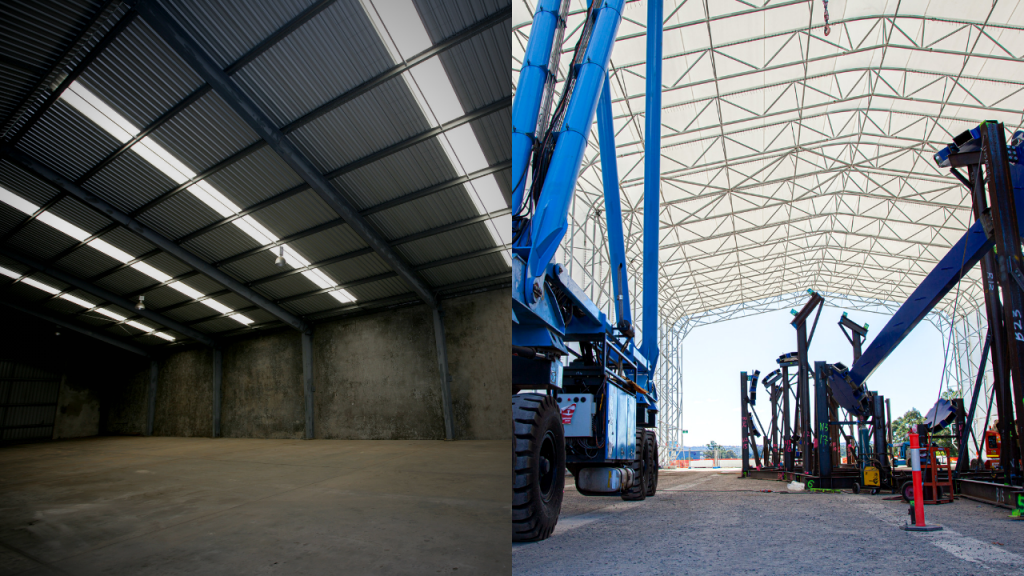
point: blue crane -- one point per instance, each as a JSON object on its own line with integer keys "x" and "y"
{"x": 584, "y": 398}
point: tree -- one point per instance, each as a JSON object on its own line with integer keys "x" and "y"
{"x": 729, "y": 454}
{"x": 709, "y": 450}
{"x": 902, "y": 425}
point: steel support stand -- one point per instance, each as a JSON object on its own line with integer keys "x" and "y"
{"x": 744, "y": 427}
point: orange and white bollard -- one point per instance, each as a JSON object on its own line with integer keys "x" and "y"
{"x": 915, "y": 460}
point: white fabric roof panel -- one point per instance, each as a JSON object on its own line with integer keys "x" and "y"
{"x": 795, "y": 160}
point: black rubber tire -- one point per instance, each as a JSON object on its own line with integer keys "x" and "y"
{"x": 856, "y": 488}
{"x": 638, "y": 491}
{"x": 875, "y": 491}
{"x": 907, "y": 491}
{"x": 651, "y": 447}
{"x": 538, "y": 481}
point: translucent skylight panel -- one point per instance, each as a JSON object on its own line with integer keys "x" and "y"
{"x": 140, "y": 326}
{"x": 64, "y": 226}
{"x": 343, "y": 296}
{"x": 115, "y": 253}
{"x": 467, "y": 148}
{"x": 186, "y": 290}
{"x": 437, "y": 90}
{"x": 151, "y": 272}
{"x": 167, "y": 337}
{"x": 211, "y": 303}
{"x": 214, "y": 199}
{"x": 17, "y": 202}
{"x": 110, "y": 314}
{"x": 9, "y": 273}
{"x": 40, "y": 286}
{"x": 241, "y": 319}
{"x": 99, "y": 112}
{"x": 76, "y": 300}
{"x": 486, "y": 188}
{"x": 255, "y": 230}
{"x": 403, "y": 25}
{"x": 163, "y": 160}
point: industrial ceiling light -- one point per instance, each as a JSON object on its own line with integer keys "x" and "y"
{"x": 280, "y": 262}
{"x": 142, "y": 303}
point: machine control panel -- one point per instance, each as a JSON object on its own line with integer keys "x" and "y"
{"x": 577, "y": 414}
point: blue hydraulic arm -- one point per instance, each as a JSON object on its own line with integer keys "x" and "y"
{"x": 549, "y": 225}
{"x": 848, "y": 384}
{"x": 613, "y": 210}
{"x": 536, "y": 81}
{"x": 652, "y": 181}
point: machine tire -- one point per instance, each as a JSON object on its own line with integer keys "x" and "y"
{"x": 651, "y": 449}
{"x": 856, "y": 488}
{"x": 907, "y": 491}
{"x": 538, "y": 480}
{"x": 875, "y": 491}
{"x": 638, "y": 491}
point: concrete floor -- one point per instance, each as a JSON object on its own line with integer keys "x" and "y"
{"x": 122, "y": 505}
{"x": 712, "y": 523}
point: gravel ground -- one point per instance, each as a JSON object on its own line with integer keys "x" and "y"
{"x": 714, "y": 523}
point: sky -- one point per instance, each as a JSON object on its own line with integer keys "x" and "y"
{"x": 714, "y": 356}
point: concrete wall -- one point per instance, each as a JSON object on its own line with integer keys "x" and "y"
{"x": 78, "y": 409}
{"x": 376, "y": 377}
{"x": 123, "y": 405}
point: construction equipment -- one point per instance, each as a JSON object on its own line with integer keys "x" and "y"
{"x": 594, "y": 415}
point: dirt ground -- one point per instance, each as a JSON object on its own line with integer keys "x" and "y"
{"x": 718, "y": 523}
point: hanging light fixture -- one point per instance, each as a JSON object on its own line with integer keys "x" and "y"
{"x": 142, "y": 304}
{"x": 280, "y": 262}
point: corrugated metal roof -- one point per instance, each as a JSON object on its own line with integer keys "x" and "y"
{"x": 481, "y": 267}
{"x": 313, "y": 304}
{"x": 41, "y": 240}
{"x": 217, "y": 325}
{"x": 300, "y": 212}
{"x": 9, "y": 218}
{"x": 80, "y": 215}
{"x": 127, "y": 241}
{"x": 302, "y": 72}
{"x": 67, "y": 142}
{"x": 163, "y": 297}
{"x": 25, "y": 185}
{"x": 478, "y": 68}
{"x": 453, "y": 243}
{"x": 492, "y": 132}
{"x": 329, "y": 243}
{"x": 178, "y": 216}
{"x": 205, "y": 133}
{"x": 129, "y": 182}
{"x": 375, "y": 120}
{"x": 380, "y": 289}
{"x": 443, "y": 18}
{"x": 124, "y": 281}
{"x": 36, "y": 34}
{"x": 445, "y": 207}
{"x": 285, "y": 287}
{"x": 257, "y": 266}
{"x": 168, "y": 264}
{"x": 255, "y": 178}
{"x": 139, "y": 76}
{"x": 227, "y": 29}
{"x": 220, "y": 243}
{"x": 85, "y": 263}
{"x": 356, "y": 268}
{"x": 415, "y": 168}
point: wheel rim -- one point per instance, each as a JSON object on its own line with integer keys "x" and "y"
{"x": 546, "y": 465}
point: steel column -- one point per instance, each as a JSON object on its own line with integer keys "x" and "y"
{"x": 787, "y": 438}
{"x": 218, "y": 366}
{"x": 104, "y": 294}
{"x": 140, "y": 229}
{"x": 822, "y": 428}
{"x": 307, "y": 381}
{"x": 613, "y": 208}
{"x": 442, "y": 362}
{"x": 154, "y": 375}
{"x": 961, "y": 463}
{"x": 189, "y": 50}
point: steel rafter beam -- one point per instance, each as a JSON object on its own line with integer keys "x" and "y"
{"x": 84, "y": 63}
{"x": 189, "y": 50}
{"x": 90, "y": 332}
{"x": 57, "y": 181}
{"x": 45, "y": 75}
{"x": 104, "y": 294}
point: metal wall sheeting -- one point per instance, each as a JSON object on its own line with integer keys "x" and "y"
{"x": 28, "y": 402}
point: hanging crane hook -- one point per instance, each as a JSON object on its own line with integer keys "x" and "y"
{"x": 827, "y": 27}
